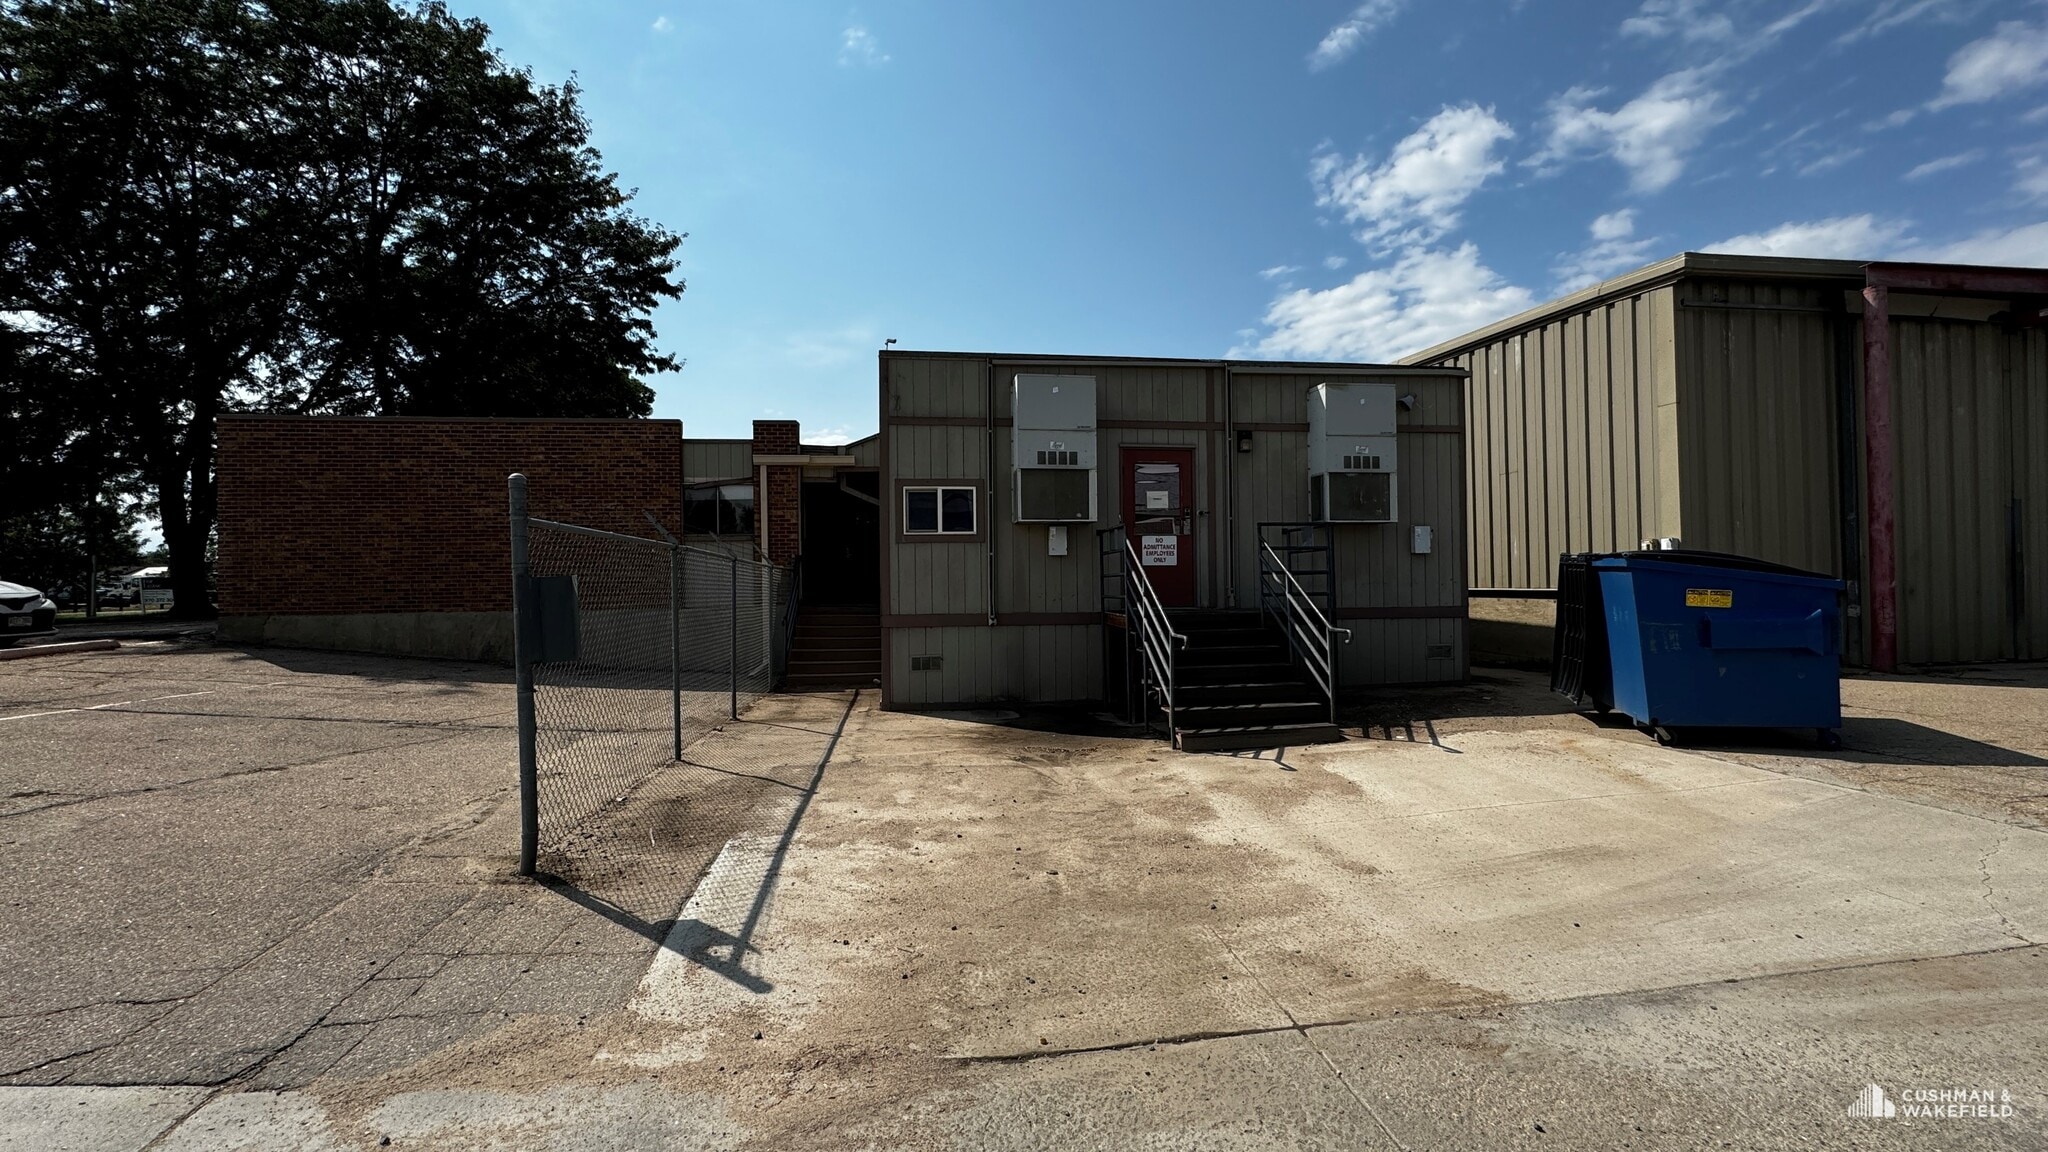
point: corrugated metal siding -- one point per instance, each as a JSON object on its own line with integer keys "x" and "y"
{"x": 717, "y": 459}
{"x": 1758, "y": 453}
{"x": 1572, "y": 443}
{"x": 1971, "y": 421}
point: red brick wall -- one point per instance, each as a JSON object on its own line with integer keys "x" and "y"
{"x": 785, "y": 487}
{"x": 326, "y": 515}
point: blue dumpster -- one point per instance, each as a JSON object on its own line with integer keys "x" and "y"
{"x": 1699, "y": 639}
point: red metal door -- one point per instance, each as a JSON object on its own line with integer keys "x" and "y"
{"x": 1159, "y": 517}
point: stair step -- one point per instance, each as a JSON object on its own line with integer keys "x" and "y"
{"x": 836, "y": 642}
{"x": 1206, "y": 674}
{"x": 796, "y": 683}
{"x": 1235, "y": 739}
{"x": 1195, "y": 656}
{"x": 1251, "y": 714}
{"x": 834, "y": 667}
{"x": 1203, "y": 695}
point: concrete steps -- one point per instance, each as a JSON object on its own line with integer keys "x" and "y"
{"x": 835, "y": 648}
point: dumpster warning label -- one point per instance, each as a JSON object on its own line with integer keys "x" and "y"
{"x": 1709, "y": 598}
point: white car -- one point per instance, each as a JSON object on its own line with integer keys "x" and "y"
{"x": 24, "y": 612}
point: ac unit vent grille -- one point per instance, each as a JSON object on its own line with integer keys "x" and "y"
{"x": 1362, "y": 464}
{"x": 1068, "y": 458}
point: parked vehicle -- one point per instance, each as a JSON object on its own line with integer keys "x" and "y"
{"x": 24, "y": 612}
{"x": 118, "y": 595}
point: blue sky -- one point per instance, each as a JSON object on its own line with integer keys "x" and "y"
{"x": 1286, "y": 179}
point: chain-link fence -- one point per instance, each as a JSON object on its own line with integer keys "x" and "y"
{"x": 640, "y": 657}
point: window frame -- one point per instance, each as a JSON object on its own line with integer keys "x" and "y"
{"x": 939, "y": 487}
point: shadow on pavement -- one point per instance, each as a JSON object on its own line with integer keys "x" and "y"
{"x": 690, "y": 859}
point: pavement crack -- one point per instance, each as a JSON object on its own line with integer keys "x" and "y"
{"x": 259, "y": 770}
{"x": 114, "y": 1003}
{"x": 2005, "y": 924}
{"x": 1296, "y": 1027}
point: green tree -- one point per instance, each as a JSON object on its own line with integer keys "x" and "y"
{"x": 332, "y": 206}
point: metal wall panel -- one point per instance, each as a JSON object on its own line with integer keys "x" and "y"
{"x": 1969, "y": 418}
{"x": 717, "y": 459}
{"x": 1573, "y": 438}
{"x": 866, "y": 453}
{"x": 932, "y": 576}
{"x": 1758, "y": 456}
{"x": 1040, "y": 663}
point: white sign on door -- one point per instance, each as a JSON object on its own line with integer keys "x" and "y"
{"x": 1159, "y": 551}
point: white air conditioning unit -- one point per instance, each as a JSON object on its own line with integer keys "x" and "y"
{"x": 1052, "y": 449}
{"x": 1353, "y": 454}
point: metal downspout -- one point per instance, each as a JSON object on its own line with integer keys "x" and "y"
{"x": 1877, "y": 448}
{"x": 1229, "y": 495}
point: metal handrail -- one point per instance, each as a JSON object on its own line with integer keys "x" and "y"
{"x": 787, "y": 624}
{"x": 1311, "y": 638}
{"x": 1155, "y": 634}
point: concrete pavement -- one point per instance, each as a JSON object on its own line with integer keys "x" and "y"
{"x": 1512, "y": 928}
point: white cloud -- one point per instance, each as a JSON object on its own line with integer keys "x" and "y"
{"x": 1889, "y": 14}
{"x": 1650, "y": 135}
{"x": 1894, "y": 120}
{"x": 1335, "y": 262}
{"x": 1414, "y": 196}
{"x": 2033, "y": 178}
{"x": 858, "y": 46}
{"x": 1614, "y": 249}
{"x": 1835, "y": 159}
{"x": 1614, "y": 225}
{"x": 1944, "y": 163}
{"x": 829, "y": 437}
{"x": 662, "y": 24}
{"x": 1861, "y": 237}
{"x": 1382, "y": 314}
{"x": 2025, "y": 246}
{"x": 1350, "y": 34}
{"x": 1685, "y": 19}
{"x": 2012, "y": 58}
{"x": 1278, "y": 271}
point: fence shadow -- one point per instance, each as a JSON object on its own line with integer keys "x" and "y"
{"x": 691, "y": 858}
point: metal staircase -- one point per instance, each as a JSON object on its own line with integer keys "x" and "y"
{"x": 1225, "y": 680}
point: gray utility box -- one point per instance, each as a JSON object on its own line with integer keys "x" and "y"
{"x": 1052, "y": 448}
{"x": 1353, "y": 454}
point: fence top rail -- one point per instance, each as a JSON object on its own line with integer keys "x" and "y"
{"x": 690, "y": 548}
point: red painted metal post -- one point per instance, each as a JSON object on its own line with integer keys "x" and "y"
{"x": 1877, "y": 453}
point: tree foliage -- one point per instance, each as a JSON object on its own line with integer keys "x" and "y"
{"x": 316, "y": 206}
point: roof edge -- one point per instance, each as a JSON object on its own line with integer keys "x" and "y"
{"x": 1646, "y": 278}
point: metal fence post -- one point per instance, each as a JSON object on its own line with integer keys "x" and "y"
{"x": 734, "y": 622}
{"x": 522, "y": 613}
{"x": 675, "y": 648}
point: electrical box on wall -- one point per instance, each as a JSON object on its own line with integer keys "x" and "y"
{"x": 1353, "y": 453}
{"x": 1052, "y": 448}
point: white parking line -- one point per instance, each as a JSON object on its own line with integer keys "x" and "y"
{"x": 145, "y": 700}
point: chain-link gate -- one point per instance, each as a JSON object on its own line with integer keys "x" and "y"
{"x": 627, "y": 651}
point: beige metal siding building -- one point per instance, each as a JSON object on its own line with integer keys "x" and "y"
{"x": 1722, "y": 400}
{"x": 1006, "y": 619}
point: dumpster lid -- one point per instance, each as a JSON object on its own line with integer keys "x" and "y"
{"x": 1702, "y": 559}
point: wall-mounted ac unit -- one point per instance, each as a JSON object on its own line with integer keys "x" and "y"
{"x": 1052, "y": 446}
{"x": 1353, "y": 454}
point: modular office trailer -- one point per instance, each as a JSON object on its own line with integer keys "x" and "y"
{"x": 1725, "y": 400}
{"x": 991, "y": 580}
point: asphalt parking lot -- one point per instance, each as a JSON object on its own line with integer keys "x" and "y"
{"x": 265, "y": 899}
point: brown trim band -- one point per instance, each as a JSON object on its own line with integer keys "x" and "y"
{"x": 1003, "y": 620}
{"x": 1404, "y": 612}
{"x": 1164, "y": 425}
{"x": 1250, "y": 426}
{"x": 1439, "y": 429}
